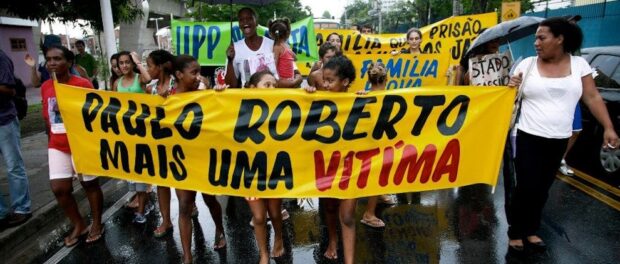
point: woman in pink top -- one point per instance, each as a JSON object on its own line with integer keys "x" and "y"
{"x": 280, "y": 30}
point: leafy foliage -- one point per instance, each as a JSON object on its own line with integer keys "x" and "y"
{"x": 69, "y": 11}
{"x": 282, "y": 8}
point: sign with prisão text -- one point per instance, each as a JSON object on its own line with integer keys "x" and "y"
{"x": 289, "y": 143}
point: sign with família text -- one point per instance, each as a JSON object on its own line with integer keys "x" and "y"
{"x": 289, "y": 143}
{"x": 208, "y": 41}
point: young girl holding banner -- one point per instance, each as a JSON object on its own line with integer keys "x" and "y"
{"x": 338, "y": 74}
{"x": 260, "y": 207}
{"x": 187, "y": 73}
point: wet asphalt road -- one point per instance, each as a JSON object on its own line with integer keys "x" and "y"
{"x": 449, "y": 226}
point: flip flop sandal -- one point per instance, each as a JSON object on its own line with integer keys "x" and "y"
{"x": 75, "y": 240}
{"x": 94, "y": 238}
{"x": 164, "y": 233}
{"x": 374, "y": 223}
{"x": 218, "y": 240}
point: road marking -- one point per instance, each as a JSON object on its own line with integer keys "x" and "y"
{"x": 590, "y": 191}
{"x": 597, "y": 182}
{"x": 64, "y": 251}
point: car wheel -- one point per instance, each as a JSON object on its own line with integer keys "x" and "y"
{"x": 610, "y": 160}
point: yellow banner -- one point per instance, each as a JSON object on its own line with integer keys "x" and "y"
{"x": 403, "y": 70}
{"x": 448, "y": 39}
{"x": 288, "y": 143}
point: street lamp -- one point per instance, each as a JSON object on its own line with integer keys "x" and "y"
{"x": 156, "y": 28}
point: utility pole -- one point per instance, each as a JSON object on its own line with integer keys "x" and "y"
{"x": 108, "y": 28}
{"x": 456, "y": 7}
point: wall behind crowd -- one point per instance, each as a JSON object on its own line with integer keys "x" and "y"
{"x": 597, "y": 22}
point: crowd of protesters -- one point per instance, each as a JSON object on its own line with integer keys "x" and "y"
{"x": 261, "y": 62}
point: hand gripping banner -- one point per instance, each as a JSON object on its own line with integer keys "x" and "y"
{"x": 289, "y": 143}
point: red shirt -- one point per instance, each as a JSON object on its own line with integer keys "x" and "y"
{"x": 50, "y": 110}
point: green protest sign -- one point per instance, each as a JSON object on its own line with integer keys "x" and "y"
{"x": 208, "y": 41}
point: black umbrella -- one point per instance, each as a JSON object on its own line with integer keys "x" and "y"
{"x": 506, "y": 32}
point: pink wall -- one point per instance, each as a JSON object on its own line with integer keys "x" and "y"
{"x": 22, "y": 70}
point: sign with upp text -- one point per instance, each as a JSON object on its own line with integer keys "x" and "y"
{"x": 288, "y": 143}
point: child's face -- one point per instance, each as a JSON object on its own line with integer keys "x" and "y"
{"x": 125, "y": 64}
{"x": 328, "y": 55}
{"x": 190, "y": 76}
{"x": 267, "y": 81}
{"x": 333, "y": 83}
{"x": 152, "y": 69}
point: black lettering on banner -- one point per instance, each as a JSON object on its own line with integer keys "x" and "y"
{"x": 225, "y": 167}
{"x": 163, "y": 161}
{"x": 314, "y": 122}
{"x": 176, "y": 167}
{"x": 89, "y": 117}
{"x": 144, "y": 159}
{"x": 194, "y": 127}
{"x": 357, "y": 112}
{"x": 120, "y": 152}
{"x": 244, "y": 170}
{"x": 442, "y": 125}
{"x": 427, "y": 102}
{"x": 293, "y": 126}
{"x": 108, "y": 116}
{"x": 384, "y": 123}
{"x": 157, "y": 131}
{"x": 140, "y": 128}
{"x": 282, "y": 171}
{"x": 243, "y": 129}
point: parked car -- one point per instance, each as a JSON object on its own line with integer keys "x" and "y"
{"x": 587, "y": 154}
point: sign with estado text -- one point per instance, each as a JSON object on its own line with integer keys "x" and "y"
{"x": 288, "y": 143}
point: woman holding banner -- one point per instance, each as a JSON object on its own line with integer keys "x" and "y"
{"x": 553, "y": 83}
{"x": 414, "y": 38}
{"x": 59, "y": 60}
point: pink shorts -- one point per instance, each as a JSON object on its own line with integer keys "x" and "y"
{"x": 62, "y": 167}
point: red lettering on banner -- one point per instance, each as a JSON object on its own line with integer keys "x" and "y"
{"x": 411, "y": 163}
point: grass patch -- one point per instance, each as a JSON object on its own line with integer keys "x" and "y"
{"x": 33, "y": 122}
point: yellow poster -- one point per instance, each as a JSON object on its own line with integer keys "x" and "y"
{"x": 448, "y": 39}
{"x": 511, "y": 10}
{"x": 288, "y": 143}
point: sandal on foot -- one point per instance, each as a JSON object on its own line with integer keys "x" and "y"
{"x": 218, "y": 240}
{"x": 92, "y": 238}
{"x": 375, "y": 223}
{"x": 159, "y": 232}
{"x": 332, "y": 257}
{"x": 72, "y": 241}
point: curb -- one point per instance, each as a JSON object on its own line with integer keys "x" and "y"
{"x": 23, "y": 244}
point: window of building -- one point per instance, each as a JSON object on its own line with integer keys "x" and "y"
{"x": 18, "y": 44}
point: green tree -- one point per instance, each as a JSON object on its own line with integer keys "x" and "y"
{"x": 69, "y": 11}
{"x": 484, "y": 6}
{"x": 327, "y": 15}
{"x": 357, "y": 14}
{"x": 282, "y": 8}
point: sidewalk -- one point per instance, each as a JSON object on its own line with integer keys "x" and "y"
{"x": 48, "y": 224}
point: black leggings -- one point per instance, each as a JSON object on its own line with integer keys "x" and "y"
{"x": 536, "y": 164}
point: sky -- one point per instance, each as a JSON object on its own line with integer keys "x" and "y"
{"x": 335, "y": 7}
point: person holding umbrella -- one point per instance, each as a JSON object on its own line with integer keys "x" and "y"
{"x": 553, "y": 83}
{"x": 251, "y": 54}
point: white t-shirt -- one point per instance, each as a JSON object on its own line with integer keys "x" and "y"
{"x": 247, "y": 61}
{"x": 548, "y": 104}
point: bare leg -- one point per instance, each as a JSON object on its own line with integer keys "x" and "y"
{"x": 571, "y": 142}
{"x": 163, "y": 197}
{"x": 141, "y": 202}
{"x": 331, "y": 219}
{"x": 369, "y": 214}
{"x": 63, "y": 190}
{"x": 347, "y": 223}
{"x": 259, "y": 214}
{"x": 275, "y": 212}
{"x": 216, "y": 213}
{"x": 186, "y": 204}
{"x": 95, "y": 199}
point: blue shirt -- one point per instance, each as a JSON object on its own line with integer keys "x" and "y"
{"x": 7, "y": 78}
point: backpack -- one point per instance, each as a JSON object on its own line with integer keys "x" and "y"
{"x": 21, "y": 104}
